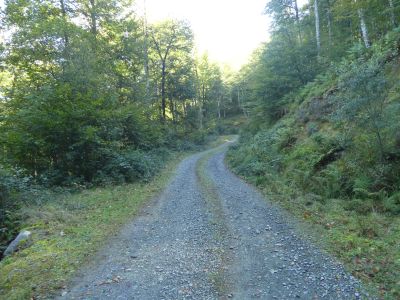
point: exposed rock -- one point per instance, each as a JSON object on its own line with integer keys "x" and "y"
{"x": 22, "y": 237}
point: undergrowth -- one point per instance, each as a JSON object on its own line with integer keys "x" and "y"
{"x": 333, "y": 160}
{"x": 67, "y": 231}
{"x": 69, "y": 227}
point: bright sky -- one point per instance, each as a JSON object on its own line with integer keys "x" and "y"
{"x": 229, "y": 30}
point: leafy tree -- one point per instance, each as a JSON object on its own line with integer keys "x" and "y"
{"x": 171, "y": 41}
{"x": 59, "y": 116}
{"x": 181, "y": 86}
{"x": 363, "y": 100}
{"x": 209, "y": 79}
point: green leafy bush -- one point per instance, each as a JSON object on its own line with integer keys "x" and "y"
{"x": 10, "y": 186}
{"x": 132, "y": 166}
{"x": 392, "y": 204}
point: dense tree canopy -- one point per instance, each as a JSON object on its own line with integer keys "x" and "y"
{"x": 90, "y": 93}
{"x": 307, "y": 40}
{"x": 89, "y": 80}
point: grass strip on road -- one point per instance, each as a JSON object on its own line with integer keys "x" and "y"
{"x": 217, "y": 220}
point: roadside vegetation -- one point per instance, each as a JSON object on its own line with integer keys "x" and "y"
{"x": 68, "y": 229}
{"x": 92, "y": 95}
{"x": 323, "y": 134}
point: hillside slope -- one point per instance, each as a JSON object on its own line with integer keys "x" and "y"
{"x": 334, "y": 159}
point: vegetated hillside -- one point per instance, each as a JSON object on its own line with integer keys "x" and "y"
{"x": 334, "y": 160}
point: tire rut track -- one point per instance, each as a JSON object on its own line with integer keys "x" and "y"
{"x": 211, "y": 236}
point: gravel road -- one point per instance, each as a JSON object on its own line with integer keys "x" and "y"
{"x": 209, "y": 235}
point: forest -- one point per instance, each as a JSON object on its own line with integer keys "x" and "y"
{"x": 92, "y": 95}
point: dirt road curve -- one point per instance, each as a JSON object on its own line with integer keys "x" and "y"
{"x": 212, "y": 236}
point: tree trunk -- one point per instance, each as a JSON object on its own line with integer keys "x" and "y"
{"x": 93, "y": 18}
{"x": 185, "y": 109}
{"x": 219, "y": 108}
{"x": 238, "y": 99}
{"x": 317, "y": 28}
{"x": 296, "y": 9}
{"x": 364, "y": 28}
{"x": 380, "y": 142}
{"x": 241, "y": 107}
{"x": 392, "y": 16}
{"x": 163, "y": 60}
{"x": 198, "y": 99}
{"x": 201, "y": 114}
{"x": 163, "y": 96}
{"x": 329, "y": 15}
{"x": 172, "y": 109}
{"x": 66, "y": 37}
{"x": 64, "y": 16}
{"x": 146, "y": 55}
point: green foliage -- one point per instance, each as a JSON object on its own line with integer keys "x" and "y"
{"x": 14, "y": 188}
{"x": 324, "y": 145}
{"x": 327, "y": 147}
{"x": 87, "y": 218}
{"x": 80, "y": 101}
{"x": 366, "y": 88}
{"x": 132, "y": 166}
{"x": 392, "y": 204}
{"x": 7, "y": 220}
{"x": 90, "y": 94}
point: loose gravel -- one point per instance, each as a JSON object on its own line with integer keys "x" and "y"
{"x": 175, "y": 249}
